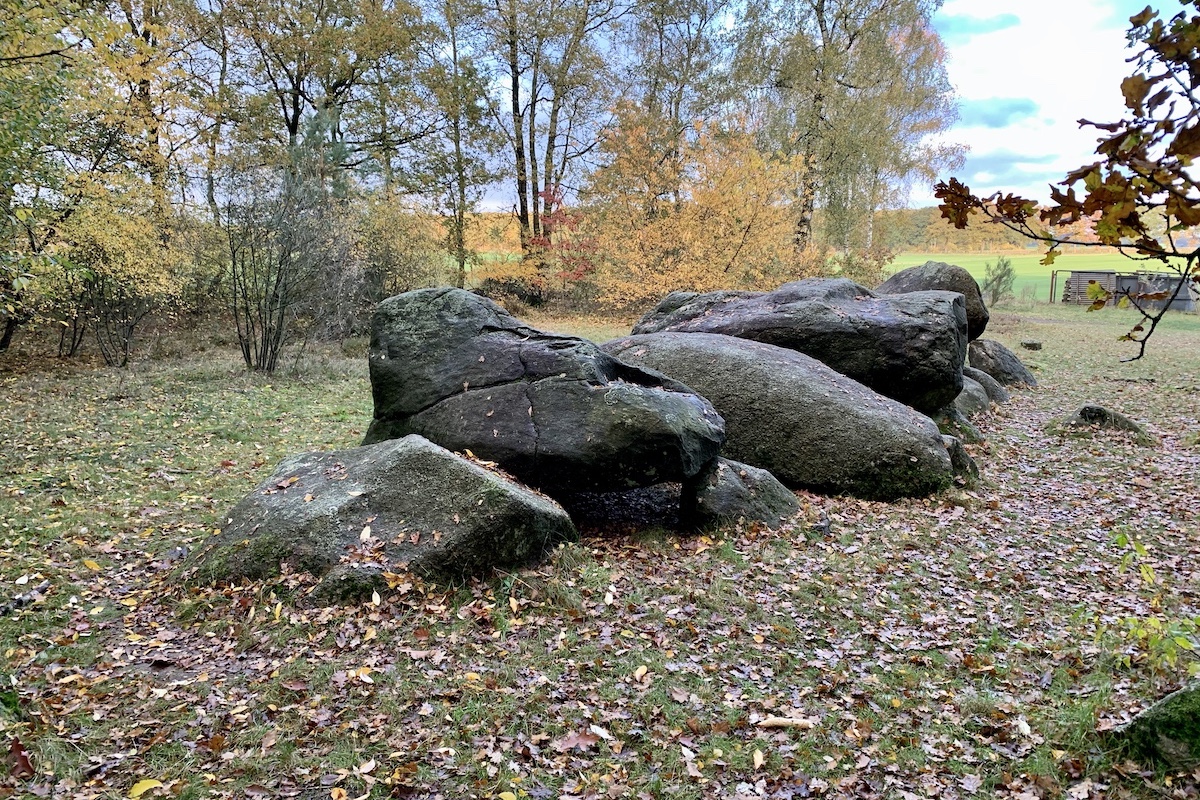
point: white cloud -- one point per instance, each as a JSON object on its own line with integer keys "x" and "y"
{"x": 1066, "y": 56}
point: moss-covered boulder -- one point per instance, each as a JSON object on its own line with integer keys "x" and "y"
{"x": 1092, "y": 417}
{"x": 401, "y": 504}
{"x": 730, "y": 492}
{"x": 1169, "y": 731}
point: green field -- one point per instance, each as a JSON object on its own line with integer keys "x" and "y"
{"x": 1033, "y": 279}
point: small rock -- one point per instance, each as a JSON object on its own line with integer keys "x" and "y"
{"x": 731, "y": 491}
{"x": 1097, "y": 417}
{"x": 995, "y": 390}
{"x": 973, "y": 399}
{"x": 965, "y": 468}
{"x": 952, "y": 422}
{"x": 1031, "y": 344}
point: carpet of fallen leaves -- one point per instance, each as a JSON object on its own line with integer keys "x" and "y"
{"x": 982, "y": 643}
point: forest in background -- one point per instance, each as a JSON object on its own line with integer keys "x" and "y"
{"x": 290, "y": 163}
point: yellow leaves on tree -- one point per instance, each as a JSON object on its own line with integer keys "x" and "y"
{"x": 114, "y": 237}
{"x": 703, "y": 212}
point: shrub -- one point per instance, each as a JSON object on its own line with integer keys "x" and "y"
{"x": 998, "y": 280}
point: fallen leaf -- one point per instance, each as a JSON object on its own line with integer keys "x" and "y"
{"x": 581, "y": 741}
{"x": 787, "y": 722}
{"x": 759, "y": 759}
{"x": 92, "y": 565}
{"x": 18, "y": 760}
{"x": 141, "y": 787}
{"x": 971, "y": 783}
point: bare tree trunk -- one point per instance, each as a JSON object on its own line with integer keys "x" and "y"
{"x": 513, "y": 55}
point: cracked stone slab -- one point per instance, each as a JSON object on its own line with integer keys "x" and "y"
{"x": 554, "y": 411}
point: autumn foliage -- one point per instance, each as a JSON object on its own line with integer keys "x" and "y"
{"x": 702, "y": 212}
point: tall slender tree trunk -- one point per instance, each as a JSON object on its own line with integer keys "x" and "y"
{"x": 513, "y": 56}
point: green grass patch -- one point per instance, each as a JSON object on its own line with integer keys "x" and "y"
{"x": 1033, "y": 279}
{"x": 976, "y": 642}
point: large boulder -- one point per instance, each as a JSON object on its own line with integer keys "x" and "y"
{"x": 554, "y": 411}
{"x": 812, "y": 427}
{"x": 909, "y": 347}
{"x": 995, "y": 359}
{"x": 944, "y": 277}
{"x": 403, "y": 503}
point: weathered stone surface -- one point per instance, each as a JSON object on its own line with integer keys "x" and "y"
{"x": 965, "y": 469}
{"x": 403, "y": 503}
{"x": 995, "y": 391}
{"x": 945, "y": 277}
{"x": 810, "y": 426}
{"x": 909, "y": 347}
{"x": 1097, "y": 417}
{"x": 1001, "y": 363}
{"x": 731, "y": 491}
{"x": 973, "y": 399}
{"x": 1168, "y": 731}
{"x": 554, "y": 411}
{"x": 953, "y": 422}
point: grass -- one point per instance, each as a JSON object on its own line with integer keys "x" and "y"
{"x": 1033, "y": 279}
{"x": 976, "y": 639}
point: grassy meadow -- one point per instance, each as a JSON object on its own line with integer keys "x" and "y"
{"x": 1033, "y": 279}
{"x": 979, "y": 643}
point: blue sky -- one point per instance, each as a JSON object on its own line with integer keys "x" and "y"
{"x": 1025, "y": 72}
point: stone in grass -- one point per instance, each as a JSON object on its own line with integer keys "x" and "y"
{"x": 1031, "y": 344}
{"x": 730, "y": 491}
{"x": 995, "y": 390}
{"x": 350, "y": 515}
{"x": 1168, "y": 731}
{"x": 966, "y": 471}
{"x": 1097, "y": 417}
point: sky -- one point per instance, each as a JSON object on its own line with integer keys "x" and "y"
{"x": 1025, "y": 72}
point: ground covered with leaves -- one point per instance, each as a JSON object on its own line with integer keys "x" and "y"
{"x": 982, "y": 643}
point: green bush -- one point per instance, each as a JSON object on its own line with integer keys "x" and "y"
{"x": 998, "y": 280}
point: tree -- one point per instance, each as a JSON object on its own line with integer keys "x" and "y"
{"x": 285, "y": 252}
{"x": 998, "y": 280}
{"x": 453, "y": 162}
{"x": 729, "y": 229}
{"x": 33, "y": 82}
{"x": 553, "y": 65}
{"x": 854, "y": 89}
{"x": 1142, "y": 193}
